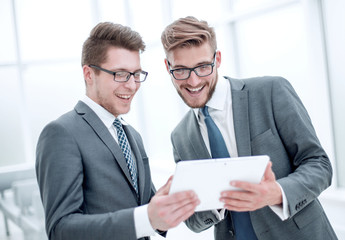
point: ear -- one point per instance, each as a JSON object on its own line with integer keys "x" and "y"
{"x": 88, "y": 75}
{"x": 166, "y": 65}
{"x": 218, "y": 58}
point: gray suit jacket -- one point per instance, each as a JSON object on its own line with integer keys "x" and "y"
{"x": 85, "y": 185}
{"x": 269, "y": 119}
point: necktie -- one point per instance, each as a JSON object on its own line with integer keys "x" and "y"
{"x": 217, "y": 144}
{"x": 241, "y": 220}
{"x": 123, "y": 142}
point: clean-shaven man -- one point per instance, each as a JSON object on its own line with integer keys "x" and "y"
{"x": 92, "y": 168}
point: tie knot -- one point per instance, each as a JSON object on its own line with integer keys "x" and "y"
{"x": 117, "y": 123}
{"x": 204, "y": 111}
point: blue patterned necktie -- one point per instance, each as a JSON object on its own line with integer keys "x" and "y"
{"x": 241, "y": 220}
{"x": 126, "y": 149}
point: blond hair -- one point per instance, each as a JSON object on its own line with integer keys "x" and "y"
{"x": 187, "y": 32}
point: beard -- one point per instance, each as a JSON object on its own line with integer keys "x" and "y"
{"x": 212, "y": 88}
{"x": 106, "y": 103}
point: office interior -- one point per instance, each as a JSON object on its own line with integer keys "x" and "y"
{"x": 41, "y": 78}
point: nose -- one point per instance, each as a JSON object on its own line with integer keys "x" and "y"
{"x": 131, "y": 83}
{"x": 193, "y": 79}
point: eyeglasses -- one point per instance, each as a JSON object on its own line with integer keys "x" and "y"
{"x": 201, "y": 71}
{"x": 124, "y": 76}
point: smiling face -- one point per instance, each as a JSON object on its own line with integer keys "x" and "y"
{"x": 115, "y": 97}
{"x": 195, "y": 91}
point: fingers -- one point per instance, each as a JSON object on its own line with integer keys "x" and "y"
{"x": 167, "y": 211}
{"x": 245, "y": 186}
{"x": 181, "y": 210}
{"x": 183, "y": 213}
{"x": 164, "y": 190}
{"x": 180, "y": 200}
{"x": 238, "y": 200}
{"x": 170, "y": 204}
{"x": 254, "y": 196}
{"x": 179, "y": 197}
{"x": 269, "y": 175}
{"x": 239, "y": 208}
{"x": 238, "y": 195}
{"x": 251, "y": 187}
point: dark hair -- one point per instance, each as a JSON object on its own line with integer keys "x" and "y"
{"x": 105, "y": 35}
{"x": 186, "y": 32}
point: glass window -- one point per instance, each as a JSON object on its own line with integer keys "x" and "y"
{"x": 12, "y": 145}
{"x": 277, "y": 43}
{"x": 8, "y": 41}
{"x": 144, "y": 16}
{"x": 335, "y": 19}
{"x": 201, "y": 9}
{"x": 274, "y": 44}
{"x": 112, "y": 10}
{"x": 56, "y": 31}
{"x": 50, "y": 91}
{"x": 247, "y": 5}
{"x": 226, "y": 43}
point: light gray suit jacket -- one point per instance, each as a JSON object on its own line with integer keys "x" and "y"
{"x": 269, "y": 119}
{"x": 85, "y": 185}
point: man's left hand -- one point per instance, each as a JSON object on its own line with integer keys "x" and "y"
{"x": 253, "y": 196}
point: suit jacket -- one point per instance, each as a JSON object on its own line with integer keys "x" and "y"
{"x": 85, "y": 185}
{"x": 269, "y": 119}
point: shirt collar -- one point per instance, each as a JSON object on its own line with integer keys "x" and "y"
{"x": 219, "y": 96}
{"x": 106, "y": 117}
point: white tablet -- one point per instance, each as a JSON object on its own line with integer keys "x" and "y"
{"x": 209, "y": 177}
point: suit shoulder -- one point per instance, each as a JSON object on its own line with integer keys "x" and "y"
{"x": 63, "y": 119}
{"x": 265, "y": 81}
{"x": 182, "y": 126}
{"x": 62, "y": 123}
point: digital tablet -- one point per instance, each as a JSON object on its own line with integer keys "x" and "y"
{"x": 209, "y": 177}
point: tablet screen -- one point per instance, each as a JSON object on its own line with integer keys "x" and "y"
{"x": 209, "y": 177}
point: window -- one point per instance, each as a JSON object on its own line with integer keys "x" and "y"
{"x": 41, "y": 76}
{"x": 40, "y": 61}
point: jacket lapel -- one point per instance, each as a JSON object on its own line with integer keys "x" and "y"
{"x": 195, "y": 138}
{"x": 103, "y": 133}
{"x": 241, "y": 117}
{"x": 241, "y": 123}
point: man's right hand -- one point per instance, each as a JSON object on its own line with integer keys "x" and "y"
{"x": 167, "y": 211}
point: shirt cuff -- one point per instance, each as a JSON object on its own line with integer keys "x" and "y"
{"x": 142, "y": 223}
{"x": 219, "y": 213}
{"x": 281, "y": 210}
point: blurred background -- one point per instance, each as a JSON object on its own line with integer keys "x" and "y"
{"x": 41, "y": 78}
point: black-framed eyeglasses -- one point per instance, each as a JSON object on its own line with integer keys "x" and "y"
{"x": 201, "y": 71}
{"x": 124, "y": 76}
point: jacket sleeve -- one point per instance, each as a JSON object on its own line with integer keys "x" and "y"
{"x": 60, "y": 176}
{"x": 311, "y": 168}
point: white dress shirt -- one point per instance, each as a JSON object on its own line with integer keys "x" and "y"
{"x": 142, "y": 223}
{"x": 220, "y": 109}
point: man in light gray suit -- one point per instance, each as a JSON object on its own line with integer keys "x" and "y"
{"x": 258, "y": 116}
{"x": 92, "y": 169}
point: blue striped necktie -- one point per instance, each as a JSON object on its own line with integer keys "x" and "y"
{"x": 241, "y": 220}
{"x": 126, "y": 149}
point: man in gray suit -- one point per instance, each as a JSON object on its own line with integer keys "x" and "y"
{"x": 92, "y": 169}
{"x": 258, "y": 116}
